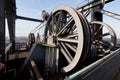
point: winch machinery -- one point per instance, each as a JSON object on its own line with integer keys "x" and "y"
{"x": 72, "y": 40}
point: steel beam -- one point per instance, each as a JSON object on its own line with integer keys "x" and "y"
{"x": 97, "y": 16}
{"x": 2, "y": 29}
{"x": 30, "y": 19}
{"x": 93, "y": 4}
{"x": 108, "y": 13}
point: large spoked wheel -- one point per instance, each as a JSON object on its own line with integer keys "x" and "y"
{"x": 65, "y": 31}
{"x": 106, "y": 41}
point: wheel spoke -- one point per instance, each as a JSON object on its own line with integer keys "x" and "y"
{"x": 67, "y": 40}
{"x": 67, "y": 57}
{"x": 105, "y": 34}
{"x": 68, "y": 53}
{"x": 96, "y": 32}
{"x": 71, "y": 47}
{"x": 65, "y": 26}
{"x": 70, "y": 29}
{"x": 73, "y": 35}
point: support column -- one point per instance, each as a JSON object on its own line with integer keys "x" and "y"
{"x": 97, "y": 16}
{"x": 11, "y": 16}
{"x": 2, "y": 30}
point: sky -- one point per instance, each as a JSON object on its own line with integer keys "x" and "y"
{"x": 33, "y": 9}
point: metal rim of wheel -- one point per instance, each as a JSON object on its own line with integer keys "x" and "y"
{"x": 102, "y": 43}
{"x": 87, "y": 37}
{"x": 70, "y": 44}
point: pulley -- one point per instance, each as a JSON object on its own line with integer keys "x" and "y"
{"x": 69, "y": 31}
{"x": 106, "y": 41}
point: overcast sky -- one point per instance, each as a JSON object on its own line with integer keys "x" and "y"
{"x": 33, "y": 8}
